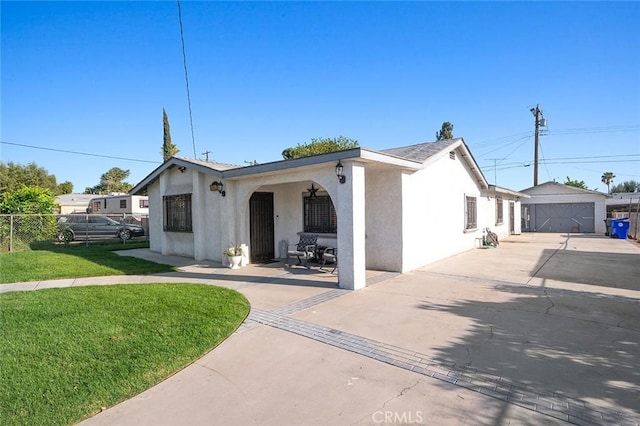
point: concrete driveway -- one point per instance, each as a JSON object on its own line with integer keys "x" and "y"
{"x": 544, "y": 329}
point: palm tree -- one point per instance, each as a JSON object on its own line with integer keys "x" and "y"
{"x": 607, "y": 178}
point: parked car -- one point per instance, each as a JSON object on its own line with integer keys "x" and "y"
{"x": 93, "y": 226}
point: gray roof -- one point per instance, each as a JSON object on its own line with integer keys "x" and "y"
{"x": 210, "y": 164}
{"x": 74, "y": 199}
{"x": 421, "y": 151}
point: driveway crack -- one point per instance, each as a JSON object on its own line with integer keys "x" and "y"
{"x": 551, "y": 304}
{"x": 402, "y": 392}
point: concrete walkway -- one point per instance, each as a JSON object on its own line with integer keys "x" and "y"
{"x": 545, "y": 329}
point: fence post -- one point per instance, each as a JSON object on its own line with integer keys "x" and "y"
{"x": 10, "y": 233}
{"x": 635, "y": 231}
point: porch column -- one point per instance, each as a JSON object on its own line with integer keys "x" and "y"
{"x": 198, "y": 212}
{"x": 164, "y": 240}
{"x": 351, "y": 228}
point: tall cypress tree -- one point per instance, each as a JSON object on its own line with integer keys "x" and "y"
{"x": 168, "y": 148}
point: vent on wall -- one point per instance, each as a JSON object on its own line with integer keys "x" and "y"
{"x": 452, "y": 155}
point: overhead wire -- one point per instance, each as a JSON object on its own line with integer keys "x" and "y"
{"x": 186, "y": 78}
{"x": 78, "y": 152}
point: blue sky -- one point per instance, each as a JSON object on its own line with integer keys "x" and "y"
{"x": 93, "y": 78}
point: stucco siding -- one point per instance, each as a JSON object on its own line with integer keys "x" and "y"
{"x": 433, "y": 212}
{"x": 176, "y": 243}
{"x": 155, "y": 217}
{"x": 383, "y": 219}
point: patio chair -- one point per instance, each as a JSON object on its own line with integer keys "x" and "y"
{"x": 304, "y": 250}
{"x": 330, "y": 255}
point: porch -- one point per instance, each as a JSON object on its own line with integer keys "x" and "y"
{"x": 310, "y": 281}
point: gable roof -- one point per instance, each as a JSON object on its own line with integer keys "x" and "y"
{"x": 422, "y": 151}
{"x": 557, "y": 186}
{"x": 412, "y": 157}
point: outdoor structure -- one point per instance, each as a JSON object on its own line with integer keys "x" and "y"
{"x": 73, "y": 203}
{"x": 392, "y": 210}
{"x": 555, "y": 207}
{"x": 626, "y": 204}
{"x": 119, "y": 204}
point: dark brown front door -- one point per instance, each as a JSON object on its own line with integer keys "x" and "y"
{"x": 261, "y": 227}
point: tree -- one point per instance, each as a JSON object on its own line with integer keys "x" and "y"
{"x": 626, "y": 186}
{"x": 446, "y": 132}
{"x": 111, "y": 181}
{"x": 575, "y": 183}
{"x": 28, "y": 200}
{"x": 33, "y": 208}
{"x": 65, "y": 187}
{"x": 607, "y": 178}
{"x": 15, "y": 176}
{"x": 319, "y": 146}
{"x": 168, "y": 148}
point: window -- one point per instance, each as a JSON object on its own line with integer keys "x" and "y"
{"x": 177, "y": 213}
{"x": 144, "y": 204}
{"x": 499, "y": 211}
{"x": 470, "y": 213}
{"x": 320, "y": 215}
{"x": 123, "y": 204}
{"x": 97, "y": 206}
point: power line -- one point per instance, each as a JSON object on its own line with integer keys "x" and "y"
{"x": 560, "y": 132}
{"x": 527, "y": 164}
{"x": 559, "y": 159}
{"x": 186, "y": 78}
{"x": 78, "y": 152}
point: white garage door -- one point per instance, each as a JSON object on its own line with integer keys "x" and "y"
{"x": 563, "y": 217}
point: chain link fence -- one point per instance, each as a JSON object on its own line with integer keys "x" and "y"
{"x": 19, "y": 232}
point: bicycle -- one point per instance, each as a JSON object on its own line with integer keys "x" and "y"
{"x": 490, "y": 238}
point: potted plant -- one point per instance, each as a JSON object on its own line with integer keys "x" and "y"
{"x": 234, "y": 254}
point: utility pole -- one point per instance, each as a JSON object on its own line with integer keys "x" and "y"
{"x": 540, "y": 121}
{"x": 495, "y": 168}
{"x": 206, "y": 154}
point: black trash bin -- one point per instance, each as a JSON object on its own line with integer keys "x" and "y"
{"x": 620, "y": 228}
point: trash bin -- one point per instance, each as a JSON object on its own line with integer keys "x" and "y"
{"x": 620, "y": 228}
{"x": 607, "y": 224}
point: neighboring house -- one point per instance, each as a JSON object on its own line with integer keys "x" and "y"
{"x": 393, "y": 210}
{"x": 626, "y": 204}
{"x": 73, "y": 203}
{"x": 555, "y": 207}
{"x": 623, "y": 202}
{"x": 119, "y": 204}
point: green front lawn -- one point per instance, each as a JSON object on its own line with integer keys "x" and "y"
{"x": 73, "y": 262}
{"x": 67, "y": 353}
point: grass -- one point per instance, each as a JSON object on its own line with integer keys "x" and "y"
{"x": 68, "y": 353}
{"x": 58, "y": 262}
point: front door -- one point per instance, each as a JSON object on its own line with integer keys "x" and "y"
{"x": 512, "y": 218}
{"x": 261, "y": 227}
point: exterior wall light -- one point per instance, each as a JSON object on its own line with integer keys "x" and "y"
{"x": 340, "y": 172}
{"x": 182, "y": 169}
{"x": 217, "y": 186}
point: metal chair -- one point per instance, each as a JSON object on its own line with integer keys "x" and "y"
{"x": 304, "y": 250}
{"x": 330, "y": 255}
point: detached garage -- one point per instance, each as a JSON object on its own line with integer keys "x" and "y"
{"x": 555, "y": 207}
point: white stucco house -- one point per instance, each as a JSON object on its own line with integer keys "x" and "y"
{"x": 555, "y": 207}
{"x": 392, "y": 210}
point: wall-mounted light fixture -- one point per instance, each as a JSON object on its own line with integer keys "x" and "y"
{"x": 340, "y": 172}
{"x": 182, "y": 169}
{"x": 217, "y": 186}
